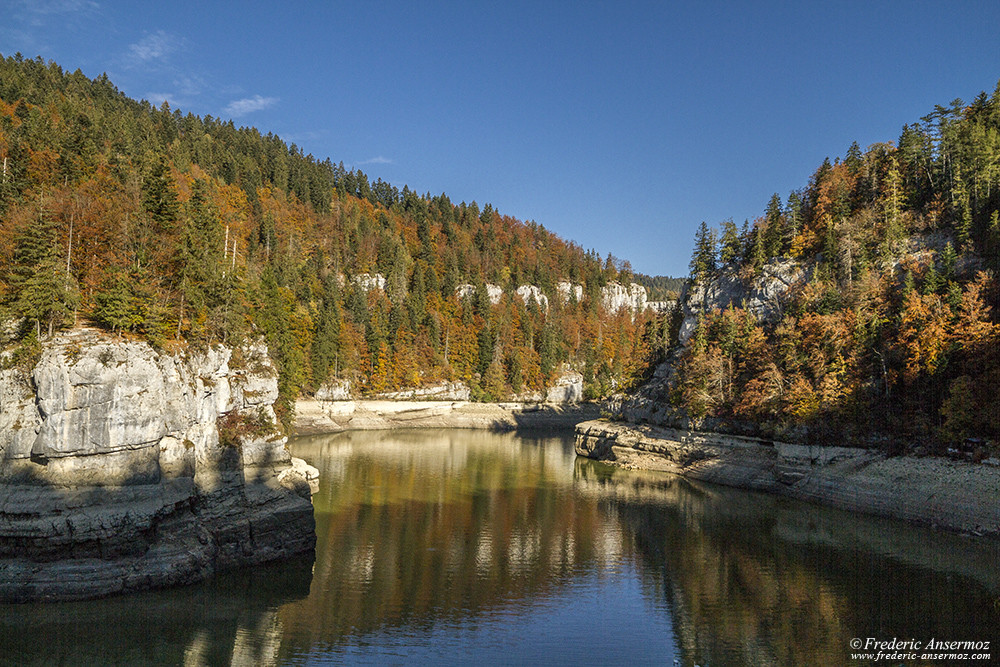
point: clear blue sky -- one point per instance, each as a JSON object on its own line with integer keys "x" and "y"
{"x": 619, "y": 125}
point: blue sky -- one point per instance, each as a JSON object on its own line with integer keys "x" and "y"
{"x": 619, "y": 125}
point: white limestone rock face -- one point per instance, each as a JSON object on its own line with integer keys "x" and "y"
{"x": 529, "y": 292}
{"x": 615, "y": 297}
{"x": 370, "y": 281}
{"x": 568, "y": 290}
{"x": 467, "y": 290}
{"x": 113, "y": 475}
{"x": 442, "y": 391}
{"x": 660, "y": 306}
{"x": 334, "y": 390}
{"x": 762, "y": 296}
{"x": 568, "y": 388}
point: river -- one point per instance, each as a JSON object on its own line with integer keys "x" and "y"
{"x": 464, "y": 547}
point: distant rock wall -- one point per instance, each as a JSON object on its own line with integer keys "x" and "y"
{"x": 493, "y": 292}
{"x": 533, "y": 292}
{"x": 568, "y": 291}
{"x": 312, "y": 416}
{"x": 566, "y": 388}
{"x": 763, "y": 296}
{"x": 124, "y": 468}
{"x": 615, "y": 297}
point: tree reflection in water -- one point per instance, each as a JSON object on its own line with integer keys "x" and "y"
{"x": 464, "y": 546}
{"x": 419, "y": 528}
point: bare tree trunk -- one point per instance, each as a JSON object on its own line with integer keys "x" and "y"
{"x": 180, "y": 316}
{"x": 69, "y": 246}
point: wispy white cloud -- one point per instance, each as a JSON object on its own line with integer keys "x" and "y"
{"x": 38, "y": 8}
{"x": 30, "y": 26}
{"x": 249, "y": 105}
{"x": 153, "y": 47}
{"x": 377, "y": 160}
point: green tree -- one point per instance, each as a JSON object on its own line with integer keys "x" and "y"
{"x": 703, "y": 259}
{"x": 200, "y": 259}
{"x": 730, "y": 245}
{"x": 41, "y": 290}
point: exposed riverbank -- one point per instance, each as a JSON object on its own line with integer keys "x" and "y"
{"x": 952, "y": 495}
{"x": 312, "y": 416}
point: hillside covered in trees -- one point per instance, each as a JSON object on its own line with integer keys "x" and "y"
{"x": 189, "y": 230}
{"x": 893, "y": 336}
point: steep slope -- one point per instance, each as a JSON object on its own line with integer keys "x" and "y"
{"x": 862, "y": 311}
{"x": 173, "y": 226}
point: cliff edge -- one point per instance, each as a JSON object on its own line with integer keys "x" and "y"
{"x": 125, "y": 468}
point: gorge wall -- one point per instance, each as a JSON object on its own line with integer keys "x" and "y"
{"x": 125, "y": 468}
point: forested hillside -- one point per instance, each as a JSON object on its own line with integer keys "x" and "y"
{"x": 893, "y": 337}
{"x": 190, "y": 230}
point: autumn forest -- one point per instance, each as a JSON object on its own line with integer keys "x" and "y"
{"x": 892, "y": 340}
{"x": 186, "y": 231}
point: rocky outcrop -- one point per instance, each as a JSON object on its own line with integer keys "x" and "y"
{"x": 334, "y": 390}
{"x": 569, "y": 291}
{"x": 312, "y": 416}
{"x": 370, "y": 281}
{"x": 568, "y": 388}
{"x": 762, "y": 295}
{"x": 661, "y": 306}
{"x": 124, "y": 468}
{"x": 530, "y": 293}
{"x": 493, "y": 292}
{"x": 444, "y": 391}
{"x": 615, "y": 297}
{"x": 952, "y": 495}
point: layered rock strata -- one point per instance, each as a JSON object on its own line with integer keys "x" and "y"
{"x": 125, "y": 468}
{"x": 312, "y": 416}
{"x": 952, "y": 495}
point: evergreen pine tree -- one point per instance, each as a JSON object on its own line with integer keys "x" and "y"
{"x": 703, "y": 260}
{"x": 729, "y": 250}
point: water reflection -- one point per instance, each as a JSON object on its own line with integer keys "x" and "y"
{"x": 757, "y": 580}
{"x": 455, "y": 525}
{"x": 417, "y": 528}
{"x": 232, "y": 619}
{"x": 464, "y": 546}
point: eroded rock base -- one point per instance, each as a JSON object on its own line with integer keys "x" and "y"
{"x": 952, "y": 495}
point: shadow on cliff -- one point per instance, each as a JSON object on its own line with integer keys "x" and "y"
{"x": 547, "y": 416}
{"x": 231, "y": 619}
{"x": 102, "y": 530}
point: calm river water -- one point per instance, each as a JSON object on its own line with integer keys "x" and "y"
{"x": 467, "y": 547}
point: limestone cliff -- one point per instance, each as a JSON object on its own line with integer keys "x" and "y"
{"x": 124, "y": 468}
{"x": 763, "y": 296}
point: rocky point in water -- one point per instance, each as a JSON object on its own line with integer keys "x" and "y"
{"x": 125, "y": 468}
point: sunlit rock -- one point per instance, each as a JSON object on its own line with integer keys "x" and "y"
{"x": 568, "y": 290}
{"x": 370, "y": 281}
{"x": 533, "y": 292}
{"x": 493, "y": 292}
{"x": 615, "y": 297}
{"x": 123, "y": 467}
